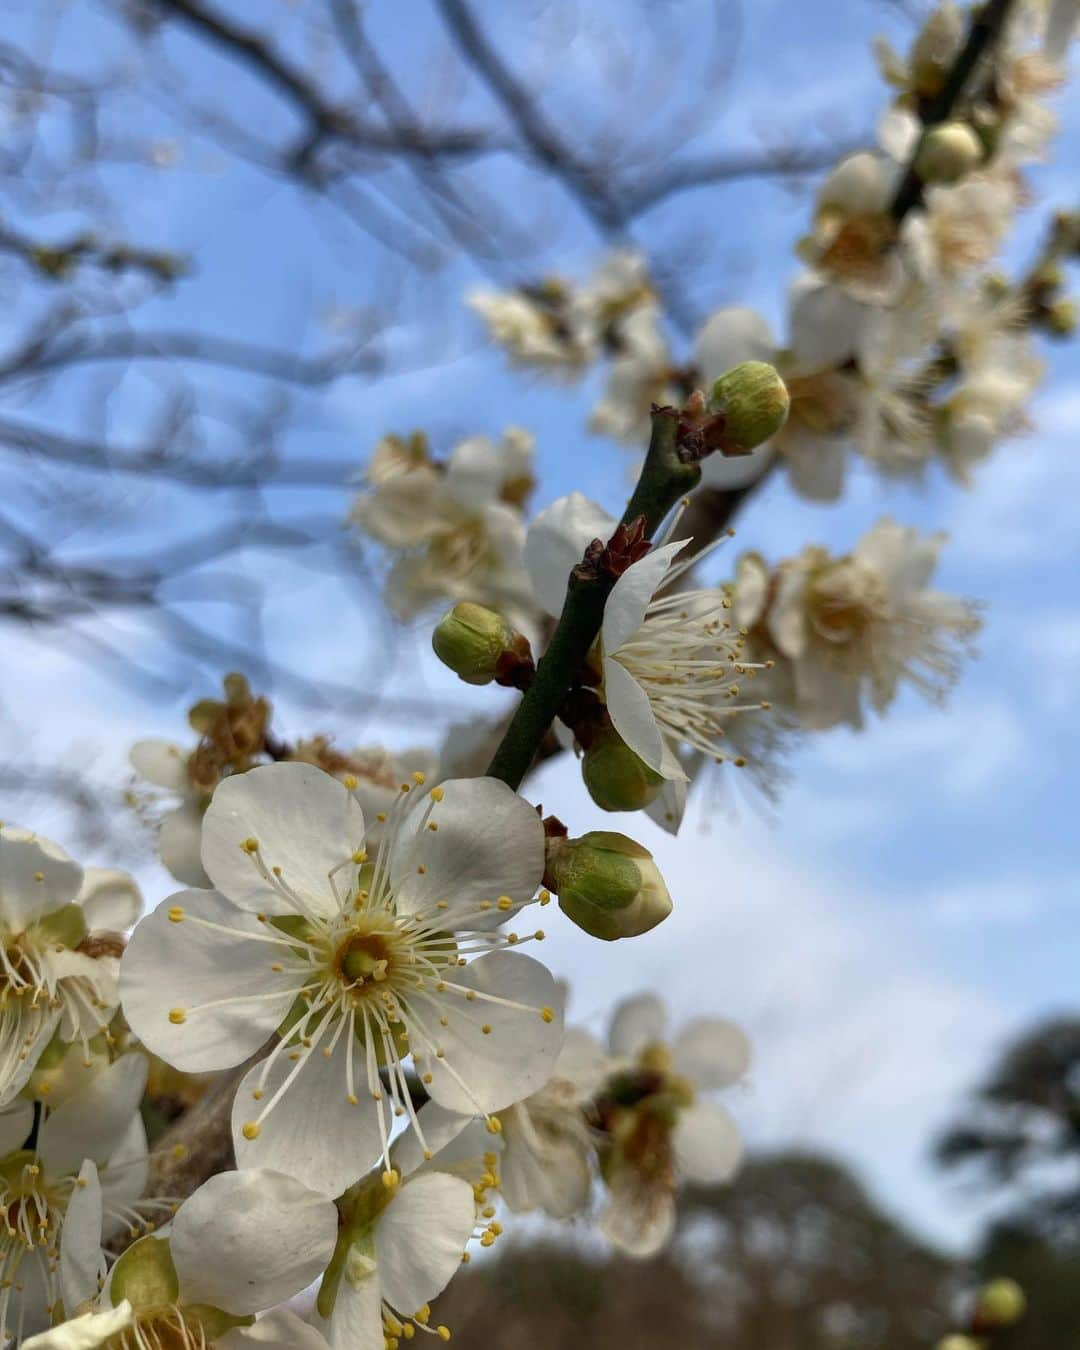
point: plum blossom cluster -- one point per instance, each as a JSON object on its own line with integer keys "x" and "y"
{"x": 903, "y": 342}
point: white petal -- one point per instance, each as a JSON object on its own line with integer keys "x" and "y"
{"x": 730, "y": 472}
{"x": 82, "y": 1262}
{"x": 247, "y": 1240}
{"x": 514, "y": 1059}
{"x": 93, "y": 1123}
{"x": 356, "y": 1322}
{"x": 731, "y": 335}
{"x": 326, "y": 1157}
{"x": 542, "y": 1171}
{"x": 489, "y": 842}
{"x": 36, "y": 877}
{"x": 23, "y": 1042}
{"x": 636, "y": 1023}
{"x": 639, "y": 1225}
{"x": 787, "y": 613}
{"x": 110, "y": 899}
{"x": 898, "y": 133}
{"x": 708, "y": 1149}
{"x": 162, "y": 763}
{"x": 475, "y": 471}
{"x": 556, "y": 542}
{"x": 278, "y": 1330}
{"x": 632, "y": 715}
{"x": 180, "y": 844}
{"x": 825, "y": 323}
{"x": 439, "y": 1128}
{"x": 169, "y": 966}
{"x": 624, "y": 612}
{"x": 420, "y": 1237}
{"x": 15, "y": 1123}
{"x": 582, "y": 1061}
{"x": 712, "y": 1052}
{"x": 306, "y": 823}
{"x": 123, "y": 1178}
{"x": 88, "y": 1332}
{"x": 751, "y": 589}
{"x": 669, "y": 808}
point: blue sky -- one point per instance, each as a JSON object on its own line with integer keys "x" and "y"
{"x": 912, "y": 900}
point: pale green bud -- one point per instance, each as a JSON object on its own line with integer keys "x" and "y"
{"x": 999, "y": 1303}
{"x": 470, "y": 639}
{"x": 607, "y": 884}
{"x": 1061, "y": 318}
{"x": 947, "y": 153}
{"x": 754, "y": 401}
{"x": 145, "y": 1275}
{"x": 617, "y": 778}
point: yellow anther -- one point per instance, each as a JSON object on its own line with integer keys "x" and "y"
{"x": 495, "y": 1229}
{"x": 177, "y": 1016}
{"x": 486, "y": 1028}
{"x": 391, "y": 1178}
{"x": 353, "y": 1099}
{"x": 351, "y": 781}
{"x": 408, "y": 1331}
{"x": 471, "y": 996}
{"x": 250, "y": 1130}
{"x": 276, "y": 871}
{"x": 39, "y": 876}
{"x": 428, "y": 1154}
{"x": 432, "y": 826}
{"x": 422, "y": 1314}
{"x": 421, "y": 869}
{"x": 437, "y": 794}
{"x": 504, "y": 903}
{"x": 176, "y": 914}
{"x": 425, "y": 1078}
{"x": 380, "y": 816}
{"x": 489, "y": 1212}
{"x": 419, "y": 778}
{"x": 512, "y": 939}
{"x": 179, "y": 1152}
{"x": 360, "y": 856}
{"x": 494, "y": 1125}
{"x": 443, "y": 1333}
{"x": 276, "y": 967}
{"x": 465, "y": 1258}
{"x": 548, "y": 1014}
{"x": 442, "y": 904}
{"x": 539, "y": 935}
{"x": 740, "y": 762}
{"x": 250, "y": 845}
{"x": 258, "y": 1094}
{"x": 545, "y": 897}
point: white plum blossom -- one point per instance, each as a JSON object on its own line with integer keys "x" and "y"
{"x": 399, "y": 1248}
{"x": 51, "y": 983}
{"x": 458, "y": 528}
{"x": 671, "y": 661}
{"x": 658, "y": 1128}
{"x": 849, "y": 243}
{"x": 533, "y": 328}
{"x": 641, "y": 374}
{"x": 853, "y": 628}
{"x": 243, "y": 1242}
{"x": 357, "y": 963}
{"x": 78, "y": 1182}
{"x": 164, "y": 764}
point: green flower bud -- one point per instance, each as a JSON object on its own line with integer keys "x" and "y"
{"x": 607, "y": 884}
{"x": 947, "y": 153}
{"x": 754, "y": 400}
{"x": 617, "y": 778}
{"x": 470, "y": 639}
{"x": 1061, "y": 318}
{"x": 999, "y": 1303}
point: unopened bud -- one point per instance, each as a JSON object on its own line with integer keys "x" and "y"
{"x": 470, "y": 639}
{"x": 754, "y": 401}
{"x": 947, "y": 153}
{"x": 1061, "y": 318}
{"x": 617, "y": 778}
{"x": 999, "y": 1304}
{"x": 607, "y": 884}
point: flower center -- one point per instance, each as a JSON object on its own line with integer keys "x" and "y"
{"x": 844, "y": 603}
{"x": 364, "y": 957}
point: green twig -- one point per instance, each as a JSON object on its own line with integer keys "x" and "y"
{"x": 665, "y": 477}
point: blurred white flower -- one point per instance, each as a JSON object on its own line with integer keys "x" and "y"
{"x": 640, "y": 375}
{"x": 356, "y": 963}
{"x": 851, "y": 238}
{"x": 659, "y": 1129}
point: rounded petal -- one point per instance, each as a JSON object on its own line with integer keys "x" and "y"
{"x": 669, "y": 808}
{"x": 36, "y": 877}
{"x": 247, "y": 1240}
{"x": 624, "y": 612}
{"x": 636, "y": 1023}
{"x": 124, "y": 1177}
{"x": 88, "y": 1332}
{"x": 439, "y": 1128}
{"x": 203, "y": 997}
{"x": 484, "y": 1072}
{"x": 751, "y": 589}
{"x": 162, "y": 763}
{"x": 542, "y": 1171}
{"x": 787, "y": 613}
{"x": 93, "y": 1123}
{"x": 639, "y": 1224}
{"x": 356, "y": 1322}
{"x": 313, "y": 1132}
{"x": 420, "y": 1238}
{"x": 475, "y": 470}
{"x": 556, "y": 543}
{"x": 180, "y": 844}
{"x": 733, "y": 334}
{"x": 110, "y": 899}
{"x": 712, "y": 1053}
{"x": 708, "y": 1149}
{"x": 632, "y": 715}
{"x": 82, "y": 1262}
{"x": 16, "y": 1122}
{"x": 825, "y": 323}
{"x": 582, "y": 1061}
{"x": 278, "y": 1330}
{"x": 305, "y": 822}
{"x": 488, "y": 842}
